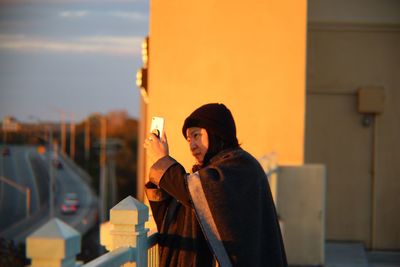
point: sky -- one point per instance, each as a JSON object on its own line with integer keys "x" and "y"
{"x": 73, "y": 56}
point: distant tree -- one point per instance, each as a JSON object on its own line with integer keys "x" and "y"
{"x": 126, "y": 157}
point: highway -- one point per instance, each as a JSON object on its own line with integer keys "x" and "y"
{"x": 25, "y": 169}
{"x": 15, "y": 167}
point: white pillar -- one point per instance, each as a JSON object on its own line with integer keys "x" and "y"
{"x": 55, "y": 244}
{"x": 126, "y": 229}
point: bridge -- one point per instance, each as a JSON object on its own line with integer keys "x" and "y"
{"x": 25, "y": 180}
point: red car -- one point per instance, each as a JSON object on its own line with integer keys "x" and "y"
{"x": 68, "y": 208}
{"x": 72, "y": 198}
{"x": 70, "y": 204}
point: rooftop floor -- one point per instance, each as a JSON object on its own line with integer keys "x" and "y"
{"x": 355, "y": 255}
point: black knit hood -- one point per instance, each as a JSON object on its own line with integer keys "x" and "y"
{"x": 217, "y": 119}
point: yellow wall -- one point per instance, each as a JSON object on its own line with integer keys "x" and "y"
{"x": 249, "y": 55}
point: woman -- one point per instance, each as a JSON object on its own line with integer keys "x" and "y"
{"x": 220, "y": 214}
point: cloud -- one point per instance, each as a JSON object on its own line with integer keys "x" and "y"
{"x": 74, "y": 14}
{"x": 108, "y": 45}
{"x": 135, "y": 16}
{"x": 129, "y": 15}
{"x": 30, "y": 2}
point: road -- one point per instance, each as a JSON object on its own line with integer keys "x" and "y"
{"x": 70, "y": 180}
{"x": 28, "y": 169}
{"x": 15, "y": 167}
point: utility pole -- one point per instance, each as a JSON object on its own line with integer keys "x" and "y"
{"x": 112, "y": 150}
{"x": 87, "y": 139}
{"x": 103, "y": 168}
{"x": 51, "y": 149}
{"x": 51, "y": 173}
{"x": 112, "y": 179}
{"x": 63, "y": 133}
{"x": 72, "y": 138}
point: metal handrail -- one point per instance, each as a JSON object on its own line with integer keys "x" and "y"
{"x": 124, "y": 255}
{"x": 114, "y": 258}
{"x": 272, "y": 171}
{"x": 23, "y": 189}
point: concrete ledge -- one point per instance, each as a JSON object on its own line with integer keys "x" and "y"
{"x": 345, "y": 255}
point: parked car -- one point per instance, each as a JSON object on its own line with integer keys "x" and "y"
{"x": 6, "y": 151}
{"x": 57, "y": 164}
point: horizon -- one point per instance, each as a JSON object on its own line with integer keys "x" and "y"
{"x": 74, "y": 57}
{"x": 67, "y": 118}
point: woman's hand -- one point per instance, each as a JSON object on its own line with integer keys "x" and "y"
{"x": 156, "y": 148}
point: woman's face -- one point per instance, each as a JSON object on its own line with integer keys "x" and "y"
{"x": 198, "y": 143}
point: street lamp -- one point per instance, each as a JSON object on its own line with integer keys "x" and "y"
{"x": 50, "y": 156}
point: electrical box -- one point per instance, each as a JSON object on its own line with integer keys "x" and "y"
{"x": 371, "y": 100}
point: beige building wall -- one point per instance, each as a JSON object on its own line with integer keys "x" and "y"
{"x": 355, "y": 44}
{"x": 249, "y": 55}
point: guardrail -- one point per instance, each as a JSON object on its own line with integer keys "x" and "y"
{"x": 23, "y": 189}
{"x": 124, "y": 236}
{"x": 269, "y": 163}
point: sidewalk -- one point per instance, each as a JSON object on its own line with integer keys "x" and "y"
{"x": 354, "y": 255}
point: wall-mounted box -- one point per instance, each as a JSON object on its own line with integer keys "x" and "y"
{"x": 371, "y": 100}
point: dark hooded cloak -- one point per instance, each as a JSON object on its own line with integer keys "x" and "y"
{"x": 223, "y": 213}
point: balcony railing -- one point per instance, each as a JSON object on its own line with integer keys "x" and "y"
{"x": 125, "y": 236}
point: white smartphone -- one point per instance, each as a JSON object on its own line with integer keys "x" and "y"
{"x": 157, "y": 126}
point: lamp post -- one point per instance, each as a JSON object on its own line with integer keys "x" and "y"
{"x": 51, "y": 173}
{"x": 63, "y": 133}
{"x": 87, "y": 139}
{"x": 50, "y": 156}
{"x": 103, "y": 168}
{"x": 72, "y": 137}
